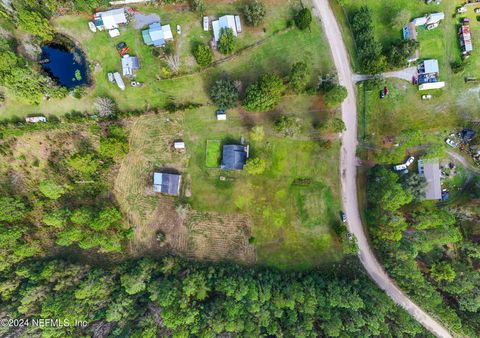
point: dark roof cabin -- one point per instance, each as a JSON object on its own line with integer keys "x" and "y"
{"x": 234, "y": 157}
{"x": 167, "y": 183}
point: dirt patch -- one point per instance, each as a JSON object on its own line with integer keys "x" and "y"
{"x": 216, "y": 236}
{"x": 28, "y": 156}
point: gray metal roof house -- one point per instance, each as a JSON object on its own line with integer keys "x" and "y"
{"x": 431, "y": 172}
{"x": 129, "y": 65}
{"x": 234, "y": 157}
{"x": 167, "y": 183}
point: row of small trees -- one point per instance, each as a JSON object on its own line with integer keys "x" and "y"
{"x": 265, "y": 93}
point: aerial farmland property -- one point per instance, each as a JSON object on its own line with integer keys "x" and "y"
{"x": 211, "y": 168}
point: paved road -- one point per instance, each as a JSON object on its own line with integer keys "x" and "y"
{"x": 348, "y": 163}
{"x": 403, "y": 74}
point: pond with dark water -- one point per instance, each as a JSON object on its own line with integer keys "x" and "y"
{"x": 66, "y": 65}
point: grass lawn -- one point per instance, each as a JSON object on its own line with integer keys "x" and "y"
{"x": 214, "y": 153}
{"x": 294, "y": 204}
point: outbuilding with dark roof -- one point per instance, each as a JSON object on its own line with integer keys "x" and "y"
{"x": 167, "y": 183}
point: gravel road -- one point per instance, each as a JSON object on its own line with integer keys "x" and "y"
{"x": 348, "y": 167}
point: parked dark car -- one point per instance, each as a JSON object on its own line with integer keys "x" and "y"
{"x": 382, "y": 94}
{"x": 343, "y": 216}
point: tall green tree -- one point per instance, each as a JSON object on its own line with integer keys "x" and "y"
{"x": 254, "y": 12}
{"x": 224, "y": 94}
{"x": 34, "y": 23}
{"x": 12, "y": 209}
{"x": 264, "y": 94}
{"x": 226, "y": 42}
{"x": 299, "y": 76}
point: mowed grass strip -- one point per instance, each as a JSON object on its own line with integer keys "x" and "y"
{"x": 214, "y": 153}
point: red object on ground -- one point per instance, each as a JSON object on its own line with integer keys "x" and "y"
{"x": 124, "y": 51}
{"x": 385, "y": 90}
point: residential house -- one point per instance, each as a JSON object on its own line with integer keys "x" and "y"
{"x": 432, "y": 174}
{"x": 129, "y": 65}
{"x": 111, "y": 19}
{"x": 234, "y": 157}
{"x": 157, "y": 35}
{"x": 428, "y": 73}
{"x": 167, "y": 183}
{"x": 224, "y": 22}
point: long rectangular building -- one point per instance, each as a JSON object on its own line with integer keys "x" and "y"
{"x": 465, "y": 39}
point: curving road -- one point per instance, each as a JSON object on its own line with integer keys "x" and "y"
{"x": 348, "y": 165}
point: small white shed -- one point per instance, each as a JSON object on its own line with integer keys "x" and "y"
{"x": 179, "y": 145}
{"x": 114, "y": 33}
{"x": 221, "y": 116}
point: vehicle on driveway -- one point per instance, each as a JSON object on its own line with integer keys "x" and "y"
{"x": 462, "y": 9}
{"x": 432, "y": 26}
{"x": 410, "y": 161}
{"x": 179, "y": 30}
{"x": 451, "y": 143}
{"x": 343, "y": 217}
{"x": 382, "y": 94}
{"x": 426, "y": 97}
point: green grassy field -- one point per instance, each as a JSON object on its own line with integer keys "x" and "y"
{"x": 214, "y": 153}
{"x": 294, "y": 204}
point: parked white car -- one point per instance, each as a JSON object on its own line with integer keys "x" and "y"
{"x": 410, "y": 161}
{"x": 179, "y": 29}
{"x": 432, "y": 26}
{"x": 427, "y": 97}
{"x": 462, "y": 9}
{"x": 451, "y": 143}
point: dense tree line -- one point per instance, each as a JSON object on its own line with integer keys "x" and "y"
{"x": 414, "y": 238}
{"x": 146, "y": 298}
{"x": 369, "y": 50}
{"x": 372, "y": 56}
